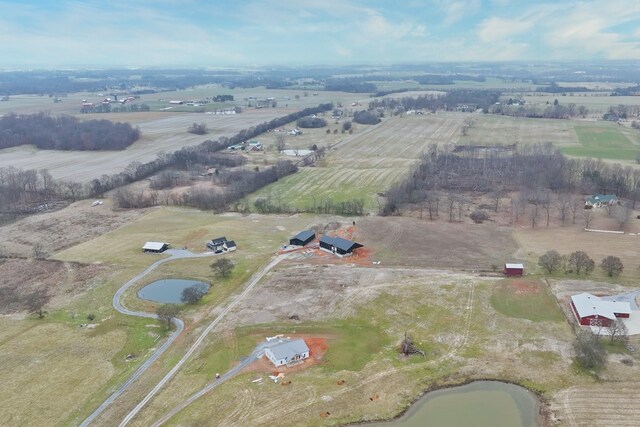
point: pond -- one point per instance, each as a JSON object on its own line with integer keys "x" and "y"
{"x": 478, "y": 404}
{"x": 168, "y": 291}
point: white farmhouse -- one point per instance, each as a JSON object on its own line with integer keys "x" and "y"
{"x": 287, "y": 351}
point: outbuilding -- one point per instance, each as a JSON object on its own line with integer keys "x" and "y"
{"x": 155, "y": 247}
{"x": 513, "y": 269}
{"x": 338, "y": 246}
{"x": 286, "y": 352}
{"x": 229, "y": 246}
{"x": 302, "y": 238}
{"x": 591, "y": 310}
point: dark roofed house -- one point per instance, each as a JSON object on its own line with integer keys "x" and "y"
{"x": 229, "y": 246}
{"x": 338, "y": 245}
{"x": 302, "y": 238}
{"x": 217, "y": 245}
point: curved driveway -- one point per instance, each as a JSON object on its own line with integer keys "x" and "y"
{"x": 254, "y": 280}
{"x": 174, "y": 254}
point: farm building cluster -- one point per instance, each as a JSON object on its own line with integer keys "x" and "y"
{"x": 221, "y": 245}
{"x": 333, "y": 245}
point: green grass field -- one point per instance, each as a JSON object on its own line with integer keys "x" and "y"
{"x": 605, "y": 141}
{"x": 366, "y": 163}
{"x": 525, "y": 299}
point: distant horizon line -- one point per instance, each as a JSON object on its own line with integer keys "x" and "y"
{"x": 92, "y": 67}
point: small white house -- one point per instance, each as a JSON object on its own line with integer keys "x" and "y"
{"x": 287, "y": 351}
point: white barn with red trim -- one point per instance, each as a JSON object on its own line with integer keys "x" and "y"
{"x": 591, "y": 310}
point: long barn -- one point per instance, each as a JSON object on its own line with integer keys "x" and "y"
{"x": 338, "y": 246}
{"x": 591, "y": 310}
{"x": 302, "y": 238}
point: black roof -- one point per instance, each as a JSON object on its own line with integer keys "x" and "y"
{"x": 304, "y": 235}
{"x": 219, "y": 240}
{"x": 230, "y": 243}
{"x": 340, "y": 243}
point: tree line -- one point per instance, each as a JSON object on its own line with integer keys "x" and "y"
{"x": 64, "y": 133}
{"x": 482, "y": 99}
{"x": 579, "y": 262}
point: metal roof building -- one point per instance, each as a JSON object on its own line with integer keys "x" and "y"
{"x": 287, "y": 351}
{"x": 338, "y": 245}
{"x": 591, "y": 310}
{"x": 156, "y": 247}
{"x": 302, "y": 238}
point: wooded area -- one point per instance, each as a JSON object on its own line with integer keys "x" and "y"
{"x": 64, "y": 133}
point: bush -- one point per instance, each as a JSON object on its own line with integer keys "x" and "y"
{"x": 311, "y": 122}
{"x": 479, "y": 216}
{"x": 198, "y": 128}
{"x": 346, "y": 126}
{"x": 365, "y": 118}
{"x": 193, "y": 294}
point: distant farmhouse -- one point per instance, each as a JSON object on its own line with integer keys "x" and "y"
{"x": 600, "y": 200}
{"x": 338, "y": 246}
{"x": 287, "y": 352}
{"x": 591, "y": 310}
{"x": 302, "y": 238}
{"x": 155, "y": 247}
{"x": 513, "y": 269}
{"x": 221, "y": 244}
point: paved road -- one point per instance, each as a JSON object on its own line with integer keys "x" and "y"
{"x": 179, "y": 324}
{"x": 629, "y": 296}
{"x": 254, "y": 280}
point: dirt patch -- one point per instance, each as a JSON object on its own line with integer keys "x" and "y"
{"x": 523, "y": 287}
{"x": 67, "y": 227}
{"x": 62, "y": 280}
{"x": 414, "y": 242}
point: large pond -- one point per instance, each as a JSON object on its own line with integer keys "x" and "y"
{"x": 168, "y": 291}
{"x": 479, "y": 404}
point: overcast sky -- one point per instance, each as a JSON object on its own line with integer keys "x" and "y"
{"x": 134, "y": 33}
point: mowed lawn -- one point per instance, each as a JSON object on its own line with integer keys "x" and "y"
{"x": 603, "y": 141}
{"x": 525, "y": 299}
{"x": 365, "y": 164}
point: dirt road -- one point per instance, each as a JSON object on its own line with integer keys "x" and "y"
{"x": 254, "y": 281}
{"x": 179, "y": 324}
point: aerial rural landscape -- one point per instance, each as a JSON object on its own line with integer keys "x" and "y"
{"x": 410, "y": 241}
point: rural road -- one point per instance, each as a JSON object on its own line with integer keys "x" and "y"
{"x": 255, "y": 355}
{"x": 254, "y": 280}
{"x": 174, "y": 254}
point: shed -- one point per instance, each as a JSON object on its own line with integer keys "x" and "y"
{"x": 287, "y": 351}
{"x": 155, "y": 247}
{"x": 591, "y": 310}
{"x": 302, "y": 238}
{"x": 338, "y": 245}
{"x": 512, "y": 269}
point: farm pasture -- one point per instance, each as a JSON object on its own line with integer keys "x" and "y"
{"x": 605, "y": 140}
{"x": 365, "y": 163}
{"x": 535, "y": 242}
{"x": 494, "y": 129}
{"x": 448, "y": 315}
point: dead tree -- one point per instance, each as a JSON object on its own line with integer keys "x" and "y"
{"x": 408, "y": 348}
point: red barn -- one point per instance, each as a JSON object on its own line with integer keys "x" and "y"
{"x": 513, "y": 269}
{"x": 591, "y": 310}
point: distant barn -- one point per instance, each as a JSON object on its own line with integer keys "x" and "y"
{"x": 155, "y": 247}
{"x": 511, "y": 269}
{"x": 338, "y": 245}
{"x": 302, "y": 238}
